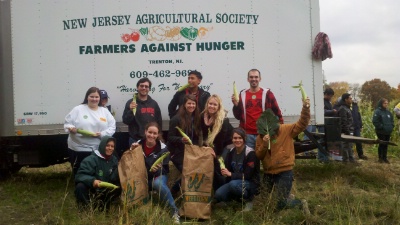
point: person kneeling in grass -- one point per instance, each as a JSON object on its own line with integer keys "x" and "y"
{"x": 100, "y": 166}
{"x": 277, "y": 155}
{"x": 241, "y": 172}
{"x": 157, "y": 178}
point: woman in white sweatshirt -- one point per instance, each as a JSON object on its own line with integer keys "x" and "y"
{"x": 87, "y": 116}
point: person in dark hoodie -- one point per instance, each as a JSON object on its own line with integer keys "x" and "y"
{"x": 358, "y": 125}
{"x": 384, "y": 124}
{"x": 147, "y": 110}
{"x": 100, "y": 166}
{"x": 157, "y": 178}
{"x": 194, "y": 80}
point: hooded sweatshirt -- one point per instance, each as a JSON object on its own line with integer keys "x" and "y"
{"x": 383, "y": 120}
{"x": 281, "y": 157}
{"x": 96, "y": 167}
{"x": 146, "y": 111}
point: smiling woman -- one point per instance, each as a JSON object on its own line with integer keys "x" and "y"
{"x": 90, "y": 117}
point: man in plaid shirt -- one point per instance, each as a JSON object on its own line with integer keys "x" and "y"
{"x": 252, "y": 102}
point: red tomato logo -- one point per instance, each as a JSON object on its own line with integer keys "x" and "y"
{"x": 126, "y": 37}
{"x": 135, "y": 36}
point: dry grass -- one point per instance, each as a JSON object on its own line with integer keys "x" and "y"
{"x": 336, "y": 193}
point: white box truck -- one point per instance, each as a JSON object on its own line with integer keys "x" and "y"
{"x": 53, "y": 51}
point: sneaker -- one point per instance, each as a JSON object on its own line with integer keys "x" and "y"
{"x": 363, "y": 157}
{"x": 386, "y": 161}
{"x": 304, "y": 206}
{"x": 176, "y": 218}
{"x": 380, "y": 160}
{"x": 248, "y": 207}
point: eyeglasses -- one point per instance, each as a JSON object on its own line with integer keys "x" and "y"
{"x": 144, "y": 86}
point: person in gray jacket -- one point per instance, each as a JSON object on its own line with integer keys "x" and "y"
{"x": 347, "y": 127}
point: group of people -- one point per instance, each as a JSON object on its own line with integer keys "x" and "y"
{"x": 351, "y": 124}
{"x": 203, "y": 118}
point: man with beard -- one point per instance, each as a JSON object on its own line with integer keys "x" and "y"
{"x": 252, "y": 102}
{"x": 147, "y": 110}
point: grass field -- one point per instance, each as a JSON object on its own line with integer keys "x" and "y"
{"x": 336, "y": 193}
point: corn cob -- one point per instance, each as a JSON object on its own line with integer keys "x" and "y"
{"x": 103, "y": 184}
{"x": 159, "y": 160}
{"x": 221, "y": 163}
{"x": 183, "y": 87}
{"x": 134, "y": 100}
{"x": 300, "y": 87}
{"x": 235, "y": 92}
{"x": 85, "y": 132}
{"x": 184, "y": 135}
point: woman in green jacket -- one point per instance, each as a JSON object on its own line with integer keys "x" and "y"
{"x": 384, "y": 124}
{"x": 100, "y": 166}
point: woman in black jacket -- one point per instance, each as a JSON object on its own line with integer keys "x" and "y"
{"x": 217, "y": 132}
{"x": 188, "y": 119}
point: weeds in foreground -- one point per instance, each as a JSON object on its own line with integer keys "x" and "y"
{"x": 336, "y": 193}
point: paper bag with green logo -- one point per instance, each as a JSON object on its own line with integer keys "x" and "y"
{"x": 133, "y": 177}
{"x": 197, "y": 180}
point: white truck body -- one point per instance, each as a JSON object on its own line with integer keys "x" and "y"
{"x": 53, "y": 51}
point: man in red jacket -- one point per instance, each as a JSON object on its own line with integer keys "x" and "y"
{"x": 252, "y": 102}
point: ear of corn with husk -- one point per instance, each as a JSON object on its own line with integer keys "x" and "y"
{"x": 221, "y": 163}
{"x": 300, "y": 87}
{"x": 235, "y": 92}
{"x": 103, "y": 184}
{"x": 159, "y": 160}
{"x": 183, "y": 87}
{"x": 134, "y": 100}
{"x": 184, "y": 135}
{"x": 85, "y": 132}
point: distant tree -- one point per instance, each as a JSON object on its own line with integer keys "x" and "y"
{"x": 339, "y": 88}
{"x": 394, "y": 94}
{"x": 374, "y": 90}
{"x": 355, "y": 89}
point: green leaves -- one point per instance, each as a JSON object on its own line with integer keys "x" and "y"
{"x": 267, "y": 123}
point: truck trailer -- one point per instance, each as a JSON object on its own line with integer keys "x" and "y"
{"x": 53, "y": 51}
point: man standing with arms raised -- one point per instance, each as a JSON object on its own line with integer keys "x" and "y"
{"x": 194, "y": 80}
{"x": 252, "y": 102}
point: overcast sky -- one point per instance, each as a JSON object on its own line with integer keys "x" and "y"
{"x": 365, "y": 40}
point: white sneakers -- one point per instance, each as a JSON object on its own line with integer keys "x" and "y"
{"x": 248, "y": 207}
{"x": 176, "y": 218}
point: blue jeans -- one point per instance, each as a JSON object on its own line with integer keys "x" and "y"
{"x": 347, "y": 152}
{"x": 282, "y": 183}
{"x": 236, "y": 189}
{"x": 251, "y": 140}
{"x": 159, "y": 184}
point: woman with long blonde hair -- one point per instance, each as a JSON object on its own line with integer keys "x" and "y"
{"x": 216, "y": 131}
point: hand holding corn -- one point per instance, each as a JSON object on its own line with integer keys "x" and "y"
{"x": 155, "y": 168}
{"x": 306, "y": 102}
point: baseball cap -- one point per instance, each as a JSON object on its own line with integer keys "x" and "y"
{"x": 103, "y": 94}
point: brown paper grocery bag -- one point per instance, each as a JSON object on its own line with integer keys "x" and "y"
{"x": 133, "y": 177}
{"x": 197, "y": 180}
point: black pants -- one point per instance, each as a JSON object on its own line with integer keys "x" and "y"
{"x": 99, "y": 197}
{"x": 382, "y": 148}
{"x": 75, "y": 158}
